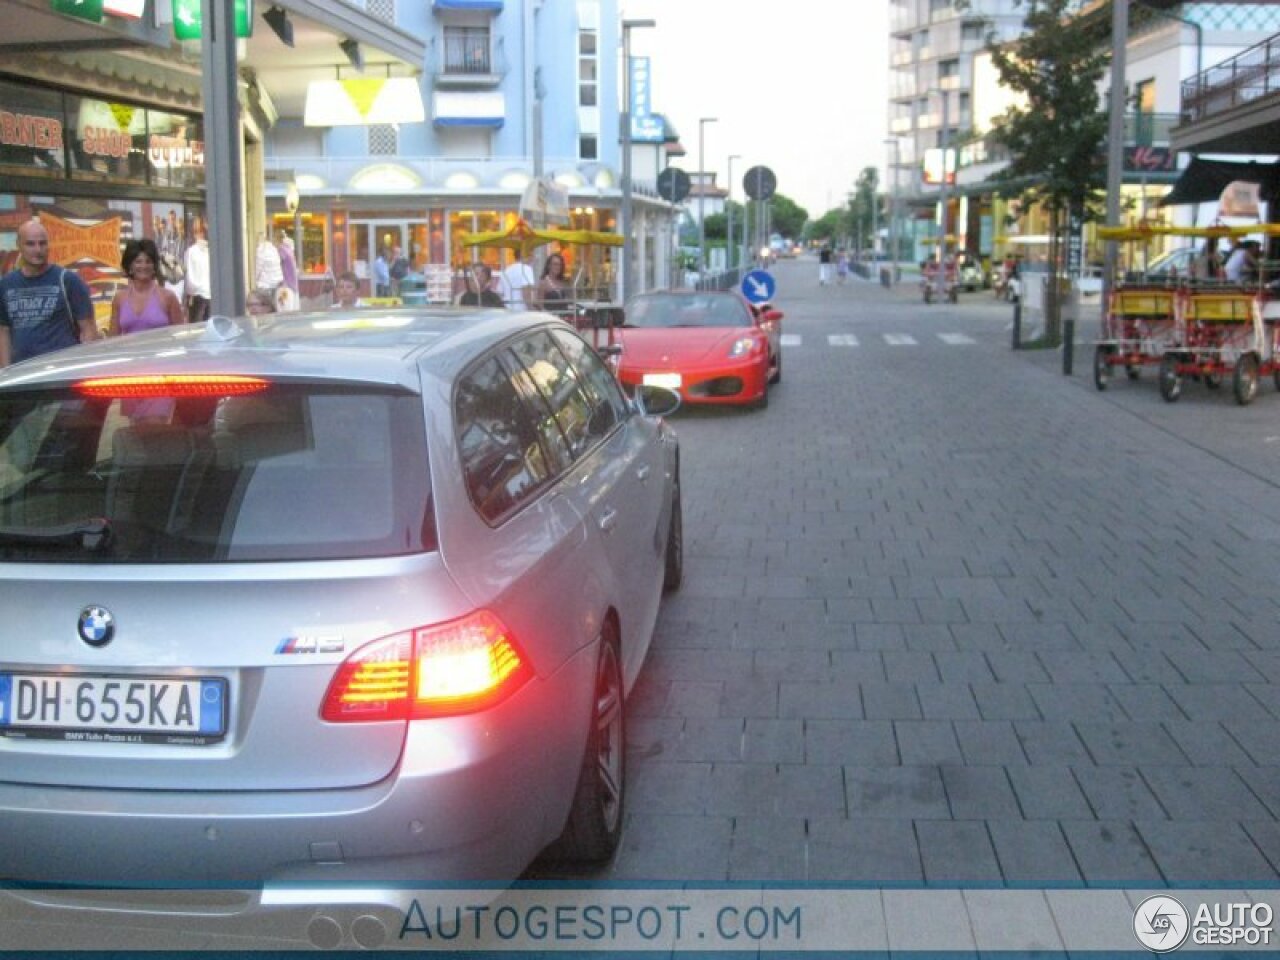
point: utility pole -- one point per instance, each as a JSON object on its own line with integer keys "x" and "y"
{"x": 702, "y": 198}
{"x": 893, "y": 212}
{"x": 728, "y": 211}
{"x": 223, "y": 142}
{"x": 946, "y": 195}
{"x": 628, "y": 246}
{"x": 1115, "y": 140}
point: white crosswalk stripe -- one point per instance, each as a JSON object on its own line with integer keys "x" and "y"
{"x": 956, "y": 339}
{"x": 900, "y": 340}
{"x": 842, "y": 340}
{"x": 792, "y": 340}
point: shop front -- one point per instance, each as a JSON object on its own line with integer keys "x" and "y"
{"x": 97, "y": 173}
{"x": 340, "y": 239}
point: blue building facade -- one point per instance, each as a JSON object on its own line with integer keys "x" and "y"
{"x": 511, "y": 90}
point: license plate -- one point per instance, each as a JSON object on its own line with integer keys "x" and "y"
{"x": 669, "y": 380}
{"x": 113, "y": 709}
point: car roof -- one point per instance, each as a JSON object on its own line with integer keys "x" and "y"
{"x": 383, "y": 346}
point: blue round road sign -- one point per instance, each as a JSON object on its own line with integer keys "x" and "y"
{"x": 758, "y": 286}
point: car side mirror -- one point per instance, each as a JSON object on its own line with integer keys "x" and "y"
{"x": 655, "y": 401}
{"x": 772, "y": 316}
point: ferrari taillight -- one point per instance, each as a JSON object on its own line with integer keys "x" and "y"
{"x": 457, "y": 667}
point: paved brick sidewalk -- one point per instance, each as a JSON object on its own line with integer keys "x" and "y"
{"x": 950, "y": 617}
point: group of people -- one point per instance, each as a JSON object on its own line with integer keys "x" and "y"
{"x": 1240, "y": 265}
{"x": 517, "y": 288}
{"x": 46, "y": 307}
{"x": 390, "y": 267}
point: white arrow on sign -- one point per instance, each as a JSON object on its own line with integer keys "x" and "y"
{"x": 758, "y": 288}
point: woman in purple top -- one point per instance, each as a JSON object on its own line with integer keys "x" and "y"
{"x": 145, "y": 303}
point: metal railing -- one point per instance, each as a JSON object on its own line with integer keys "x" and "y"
{"x": 1247, "y": 76}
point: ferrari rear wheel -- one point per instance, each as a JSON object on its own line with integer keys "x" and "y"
{"x": 776, "y": 376}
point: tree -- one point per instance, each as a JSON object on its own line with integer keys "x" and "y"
{"x": 863, "y": 213}
{"x": 716, "y": 227}
{"x": 1055, "y": 139}
{"x": 785, "y": 216}
{"x": 829, "y": 227}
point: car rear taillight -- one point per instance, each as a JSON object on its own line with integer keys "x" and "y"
{"x": 170, "y": 385}
{"x": 457, "y": 667}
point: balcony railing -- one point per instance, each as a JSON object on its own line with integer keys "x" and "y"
{"x": 1245, "y": 77}
{"x": 1148, "y": 129}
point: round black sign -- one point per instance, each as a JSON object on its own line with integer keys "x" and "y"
{"x": 760, "y": 183}
{"x": 673, "y": 184}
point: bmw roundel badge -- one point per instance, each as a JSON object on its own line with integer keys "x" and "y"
{"x": 97, "y": 626}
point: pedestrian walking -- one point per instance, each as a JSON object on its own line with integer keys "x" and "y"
{"x": 398, "y": 269}
{"x": 518, "y": 284}
{"x": 198, "y": 290}
{"x": 842, "y": 267}
{"x": 381, "y": 274}
{"x": 43, "y": 306}
{"x": 824, "y": 265}
{"x": 145, "y": 303}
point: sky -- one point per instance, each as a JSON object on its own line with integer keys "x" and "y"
{"x": 800, "y": 86}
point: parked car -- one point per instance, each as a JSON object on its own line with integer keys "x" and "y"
{"x": 710, "y": 346}
{"x": 335, "y": 599}
{"x": 1175, "y": 263}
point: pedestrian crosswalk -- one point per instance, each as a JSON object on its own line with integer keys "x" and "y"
{"x": 890, "y": 339}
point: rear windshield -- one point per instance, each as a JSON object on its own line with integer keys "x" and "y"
{"x": 687, "y": 310}
{"x": 296, "y": 472}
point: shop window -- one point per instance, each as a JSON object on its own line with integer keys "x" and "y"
{"x": 108, "y": 140}
{"x": 310, "y": 253}
{"x": 175, "y": 149}
{"x": 32, "y": 135}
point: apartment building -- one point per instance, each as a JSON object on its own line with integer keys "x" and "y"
{"x": 513, "y": 91}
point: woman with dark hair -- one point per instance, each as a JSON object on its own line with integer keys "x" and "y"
{"x": 553, "y": 289}
{"x": 144, "y": 304}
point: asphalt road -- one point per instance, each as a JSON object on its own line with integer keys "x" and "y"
{"x": 950, "y": 617}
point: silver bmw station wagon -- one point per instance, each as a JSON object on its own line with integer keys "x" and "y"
{"x": 341, "y": 598}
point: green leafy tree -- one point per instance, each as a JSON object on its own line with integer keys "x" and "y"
{"x": 828, "y": 228}
{"x": 1055, "y": 138}
{"x": 863, "y": 213}
{"x": 717, "y": 227}
{"x": 785, "y": 216}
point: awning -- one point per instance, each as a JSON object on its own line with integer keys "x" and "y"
{"x": 494, "y": 6}
{"x": 1204, "y": 180}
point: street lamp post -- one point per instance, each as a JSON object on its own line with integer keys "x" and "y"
{"x": 628, "y": 246}
{"x": 728, "y": 212}
{"x": 893, "y": 211}
{"x": 946, "y": 194}
{"x": 702, "y": 199}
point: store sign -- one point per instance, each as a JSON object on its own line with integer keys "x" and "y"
{"x": 646, "y": 127}
{"x": 175, "y": 151}
{"x": 69, "y": 242}
{"x": 188, "y": 19}
{"x": 1150, "y": 160}
{"x": 80, "y": 9}
{"x": 26, "y": 130}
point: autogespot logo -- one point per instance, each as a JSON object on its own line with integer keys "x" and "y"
{"x": 1161, "y": 923}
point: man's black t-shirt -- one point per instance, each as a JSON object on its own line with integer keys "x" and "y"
{"x": 486, "y": 298}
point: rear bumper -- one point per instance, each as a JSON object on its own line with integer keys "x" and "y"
{"x": 474, "y": 799}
